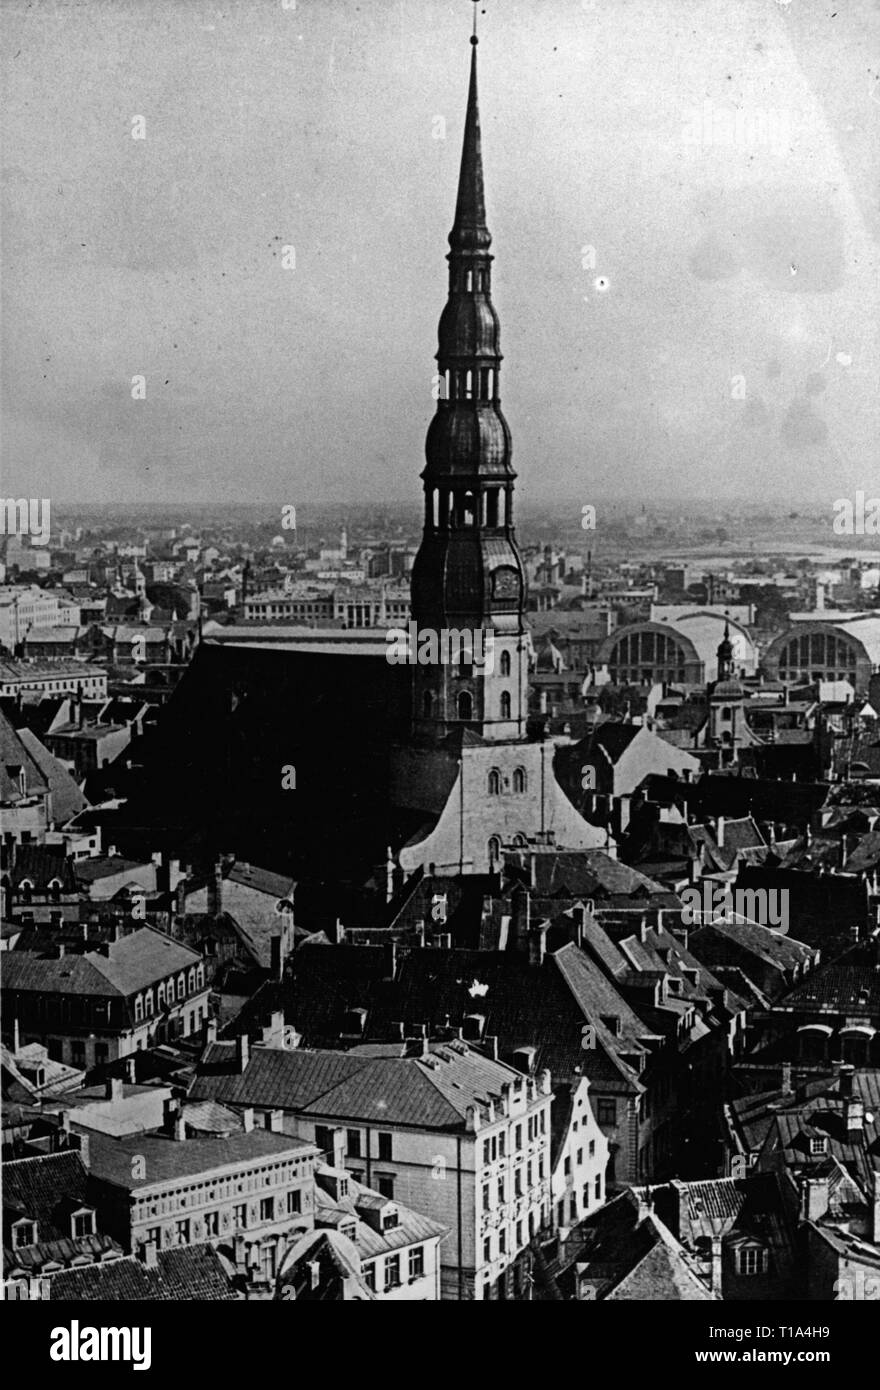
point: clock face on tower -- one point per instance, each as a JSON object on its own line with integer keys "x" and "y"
{"x": 505, "y": 583}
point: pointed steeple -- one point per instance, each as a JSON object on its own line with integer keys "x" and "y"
{"x": 469, "y": 230}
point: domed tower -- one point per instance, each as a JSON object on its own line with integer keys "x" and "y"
{"x": 727, "y": 726}
{"x": 468, "y": 574}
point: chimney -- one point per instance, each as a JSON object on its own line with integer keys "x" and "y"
{"x": 276, "y": 956}
{"x": 715, "y": 1281}
{"x": 273, "y": 1031}
{"x": 579, "y": 914}
{"x": 170, "y": 1113}
{"x": 786, "y": 1086}
{"x": 113, "y": 1088}
{"x": 130, "y": 1067}
{"x": 247, "y": 1119}
{"x": 845, "y": 1079}
{"x": 150, "y": 1254}
{"x": 719, "y": 833}
{"x": 242, "y": 1052}
{"x": 490, "y": 1046}
{"x": 276, "y": 1121}
{"x": 537, "y": 944}
{"x": 215, "y": 889}
{"x": 854, "y": 1118}
{"x": 314, "y": 1268}
{"x": 210, "y": 1031}
{"x": 814, "y": 1199}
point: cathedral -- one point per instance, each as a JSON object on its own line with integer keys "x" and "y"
{"x": 397, "y": 766}
{"x": 468, "y": 762}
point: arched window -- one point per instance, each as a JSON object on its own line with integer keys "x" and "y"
{"x": 494, "y": 849}
{"x": 427, "y": 704}
{"x": 519, "y": 780}
{"x": 520, "y": 841}
{"x": 200, "y": 976}
{"x": 138, "y": 1008}
{"x": 192, "y": 980}
{"x": 469, "y": 281}
{"x": 465, "y": 705}
{"x": 725, "y": 714}
{"x": 148, "y": 1003}
{"x": 55, "y": 890}
{"x": 27, "y": 890}
{"x": 469, "y": 386}
{"x": 494, "y": 782}
{"x": 505, "y": 663}
{"x": 160, "y": 996}
{"x": 505, "y": 704}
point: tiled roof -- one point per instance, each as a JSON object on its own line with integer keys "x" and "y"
{"x": 183, "y": 1274}
{"x": 46, "y": 1189}
{"x": 41, "y": 864}
{"x": 133, "y": 963}
{"x": 412, "y": 1227}
{"x": 34, "y": 1258}
{"x": 13, "y": 755}
{"x": 850, "y": 984}
{"x": 167, "y": 1159}
{"x": 67, "y": 799}
{"x": 428, "y": 1093}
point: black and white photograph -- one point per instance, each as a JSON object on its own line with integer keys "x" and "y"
{"x": 440, "y": 671}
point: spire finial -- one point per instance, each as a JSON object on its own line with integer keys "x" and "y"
{"x": 474, "y": 38}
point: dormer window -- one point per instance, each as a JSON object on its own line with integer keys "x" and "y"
{"x": 55, "y": 890}
{"x": 24, "y": 1233}
{"x": 818, "y": 1146}
{"x": 27, "y": 890}
{"x": 83, "y": 1223}
{"x": 612, "y": 1023}
{"x": 751, "y": 1260}
{"x": 390, "y": 1219}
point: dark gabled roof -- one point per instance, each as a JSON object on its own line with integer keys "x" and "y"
{"x": 46, "y": 1189}
{"x": 67, "y": 799}
{"x": 850, "y": 984}
{"x": 15, "y": 754}
{"x": 627, "y": 1252}
{"x": 41, "y": 864}
{"x": 771, "y": 947}
{"x": 590, "y": 873}
{"x": 181, "y": 1275}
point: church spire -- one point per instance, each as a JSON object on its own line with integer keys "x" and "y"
{"x": 468, "y": 574}
{"x": 469, "y": 230}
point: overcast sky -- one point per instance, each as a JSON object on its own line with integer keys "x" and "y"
{"x": 731, "y": 348}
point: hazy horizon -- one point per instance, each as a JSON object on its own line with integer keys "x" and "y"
{"x": 730, "y": 353}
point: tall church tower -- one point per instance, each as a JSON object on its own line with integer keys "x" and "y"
{"x": 468, "y": 574}
{"x": 479, "y": 785}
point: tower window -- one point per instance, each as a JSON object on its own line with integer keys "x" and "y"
{"x": 505, "y": 704}
{"x": 519, "y": 780}
{"x": 469, "y": 281}
{"x": 465, "y": 705}
{"x": 725, "y": 714}
{"x": 494, "y": 782}
{"x": 469, "y": 386}
{"x": 492, "y": 507}
{"x": 505, "y": 663}
{"x": 494, "y": 849}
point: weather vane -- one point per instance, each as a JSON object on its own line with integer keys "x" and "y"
{"x": 474, "y": 38}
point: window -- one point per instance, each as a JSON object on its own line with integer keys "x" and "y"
{"x": 417, "y": 1262}
{"x": 83, "y": 1224}
{"x": 592, "y": 1148}
{"x": 518, "y": 1183}
{"x": 102, "y": 1053}
{"x": 487, "y": 1151}
{"x": 154, "y": 1236}
{"x": 598, "y": 1188}
{"x": 505, "y": 663}
{"x": 501, "y": 1192}
{"x": 466, "y": 705}
{"x": 294, "y": 1203}
{"x": 519, "y": 780}
{"x": 267, "y": 1208}
{"x": 392, "y": 1272}
{"x": 817, "y": 1146}
{"x": 487, "y": 1251}
{"x": 487, "y": 1198}
{"x": 566, "y": 1167}
{"x": 505, "y": 704}
{"x": 606, "y": 1112}
{"x": 212, "y": 1224}
{"x": 324, "y": 1140}
{"x": 385, "y": 1147}
{"x": 239, "y": 1217}
{"x": 517, "y": 1137}
{"x": 24, "y": 1233}
{"x": 385, "y": 1184}
{"x": 353, "y": 1143}
{"x": 138, "y": 1008}
{"x": 580, "y": 1157}
{"x": 494, "y": 782}
{"x": 370, "y": 1277}
{"x": 77, "y": 1053}
{"x": 494, "y": 849}
{"x": 182, "y": 1232}
{"x": 752, "y": 1260}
